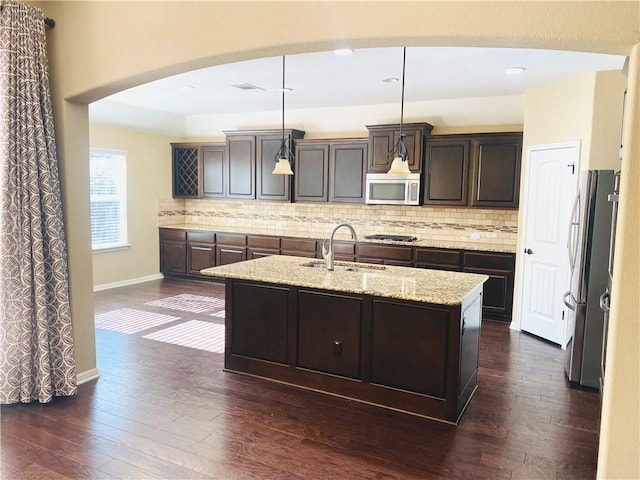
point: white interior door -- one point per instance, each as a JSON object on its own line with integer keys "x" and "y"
{"x": 551, "y": 183}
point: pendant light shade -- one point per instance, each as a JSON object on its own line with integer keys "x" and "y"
{"x": 283, "y": 167}
{"x": 400, "y": 164}
{"x": 284, "y": 156}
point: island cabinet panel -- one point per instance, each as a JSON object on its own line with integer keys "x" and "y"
{"x": 329, "y": 333}
{"x": 259, "y": 322}
{"x": 409, "y": 347}
{"x": 470, "y": 344}
{"x": 384, "y": 254}
{"x": 173, "y": 251}
{"x": 415, "y": 357}
{"x": 298, "y": 247}
{"x": 230, "y": 248}
{"x": 498, "y": 290}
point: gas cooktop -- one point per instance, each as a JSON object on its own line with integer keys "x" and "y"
{"x": 395, "y": 238}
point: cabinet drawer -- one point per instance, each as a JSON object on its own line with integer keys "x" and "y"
{"x": 386, "y": 252}
{"x": 449, "y": 259}
{"x": 231, "y": 239}
{"x": 304, "y": 245}
{"x": 272, "y": 243}
{"x": 498, "y": 261}
{"x": 201, "y": 236}
{"x": 173, "y": 234}
{"x": 342, "y": 248}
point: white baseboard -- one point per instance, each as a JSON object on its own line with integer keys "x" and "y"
{"x": 87, "y": 376}
{"x": 124, "y": 283}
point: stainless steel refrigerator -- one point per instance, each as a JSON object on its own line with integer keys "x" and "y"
{"x": 588, "y": 248}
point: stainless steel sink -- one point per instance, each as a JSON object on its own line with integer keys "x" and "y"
{"x": 346, "y": 267}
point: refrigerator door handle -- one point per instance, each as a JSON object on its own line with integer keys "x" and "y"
{"x": 565, "y": 300}
{"x": 571, "y": 240}
{"x": 604, "y": 301}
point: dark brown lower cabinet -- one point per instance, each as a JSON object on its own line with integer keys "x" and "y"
{"x": 408, "y": 356}
{"x": 173, "y": 251}
{"x": 438, "y": 258}
{"x": 230, "y": 248}
{"x": 384, "y": 254}
{"x": 187, "y": 253}
{"x": 329, "y": 333}
{"x": 298, "y": 247}
{"x": 498, "y": 290}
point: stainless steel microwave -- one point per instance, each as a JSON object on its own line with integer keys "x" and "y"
{"x": 393, "y": 189}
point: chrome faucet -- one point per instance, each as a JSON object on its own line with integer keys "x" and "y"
{"x": 328, "y": 254}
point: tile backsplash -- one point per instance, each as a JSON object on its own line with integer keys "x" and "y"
{"x": 468, "y": 225}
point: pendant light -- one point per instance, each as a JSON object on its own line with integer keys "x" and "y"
{"x": 284, "y": 156}
{"x": 400, "y": 164}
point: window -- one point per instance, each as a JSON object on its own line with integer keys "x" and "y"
{"x": 108, "y": 192}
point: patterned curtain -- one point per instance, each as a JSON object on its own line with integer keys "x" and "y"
{"x": 36, "y": 343}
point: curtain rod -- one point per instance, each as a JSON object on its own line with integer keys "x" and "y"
{"x": 48, "y": 22}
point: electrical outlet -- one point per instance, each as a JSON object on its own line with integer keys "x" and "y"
{"x": 475, "y": 236}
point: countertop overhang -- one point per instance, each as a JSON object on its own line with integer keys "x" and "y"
{"x": 404, "y": 283}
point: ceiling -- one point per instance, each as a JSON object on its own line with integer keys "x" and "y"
{"x": 324, "y": 79}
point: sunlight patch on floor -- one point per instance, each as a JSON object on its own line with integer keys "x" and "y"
{"x": 128, "y": 320}
{"x": 193, "y": 334}
{"x": 188, "y": 303}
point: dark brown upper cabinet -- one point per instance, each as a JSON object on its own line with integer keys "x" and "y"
{"x": 446, "y": 177}
{"x": 213, "y": 171}
{"x": 347, "y": 170}
{"x": 198, "y": 170}
{"x": 330, "y": 170}
{"x": 481, "y": 170}
{"x": 496, "y": 171}
{"x": 382, "y": 139}
{"x": 311, "y": 178}
{"x": 250, "y": 160}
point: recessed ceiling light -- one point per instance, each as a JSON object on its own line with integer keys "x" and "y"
{"x": 343, "y": 52}
{"x": 186, "y": 88}
{"x": 515, "y": 71}
{"x": 391, "y": 80}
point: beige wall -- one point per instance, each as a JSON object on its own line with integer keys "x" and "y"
{"x": 148, "y": 178}
{"x": 98, "y": 48}
{"x": 560, "y": 112}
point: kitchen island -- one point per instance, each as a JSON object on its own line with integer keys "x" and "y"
{"x": 402, "y": 338}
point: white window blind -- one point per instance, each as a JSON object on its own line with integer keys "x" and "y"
{"x": 108, "y": 192}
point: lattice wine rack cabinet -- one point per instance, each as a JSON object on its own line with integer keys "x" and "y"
{"x": 186, "y": 172}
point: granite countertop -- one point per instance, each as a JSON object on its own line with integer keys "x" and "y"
{"x": 344, "y": 235}
{"x": 415, "y": 284}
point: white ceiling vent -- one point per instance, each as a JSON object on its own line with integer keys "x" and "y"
{"x": 247, "y": 86}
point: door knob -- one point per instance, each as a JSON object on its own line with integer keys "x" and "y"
{"x": 528, "y": 251}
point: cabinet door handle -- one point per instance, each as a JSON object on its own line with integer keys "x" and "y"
{"x": 337, "y": 348}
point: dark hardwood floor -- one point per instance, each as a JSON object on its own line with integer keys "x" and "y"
{"x": 166, "y": 411}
